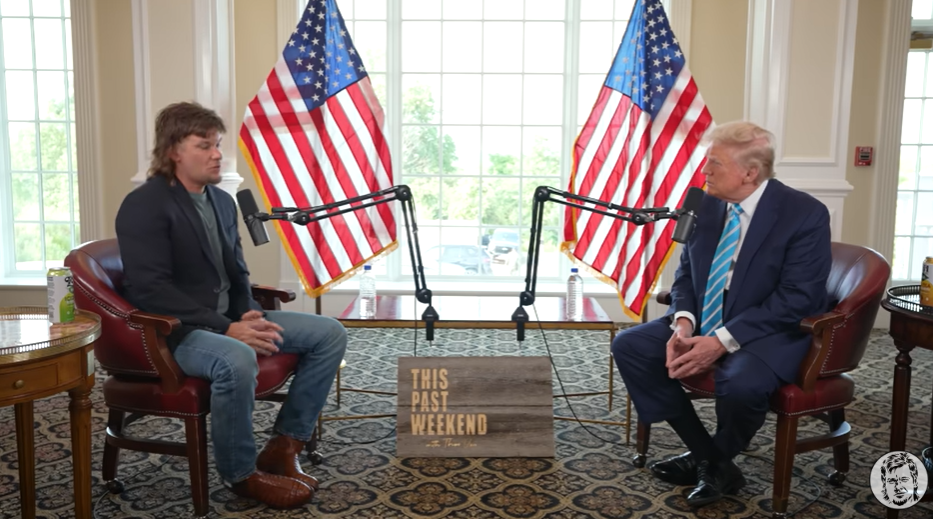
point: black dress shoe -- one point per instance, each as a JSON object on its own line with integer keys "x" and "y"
{"x": 679, "y": 470}
{"x": 716, "y": 480}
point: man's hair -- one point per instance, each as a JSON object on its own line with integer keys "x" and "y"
{"x": 174, "y": 124}
{"x": 753, "y": 144}
{"x": 894, "y": 462}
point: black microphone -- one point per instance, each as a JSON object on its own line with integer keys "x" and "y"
{"x": 687, "y": 220}
{"x": 257, "y": 229}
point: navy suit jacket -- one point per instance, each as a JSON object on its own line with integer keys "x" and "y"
{"x": 779, "y": 276}
{"x": 167, "y": 259}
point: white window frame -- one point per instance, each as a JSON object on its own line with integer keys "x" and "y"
{"x": 7, "y": 234}
{"x": 925, "y": 25}
{"x": 570, "y": 126}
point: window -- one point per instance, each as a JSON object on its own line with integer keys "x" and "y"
{"x": 39, "y": 190}
{"x": 483, "y": 100}
{"x": 914, "y": 222}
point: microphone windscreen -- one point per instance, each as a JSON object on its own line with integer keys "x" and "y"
{"x": 246, "y": 202}
{"x": 694, "y": 199}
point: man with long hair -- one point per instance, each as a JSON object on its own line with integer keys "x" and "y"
{"x": 182, "y": 257}
{"x": 899, "y": 480}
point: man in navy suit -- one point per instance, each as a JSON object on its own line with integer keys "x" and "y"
{"x": 182, "y": 257}
{"x": 756, "y": 265}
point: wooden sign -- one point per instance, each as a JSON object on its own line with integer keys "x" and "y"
{"x": 489, "y": 407}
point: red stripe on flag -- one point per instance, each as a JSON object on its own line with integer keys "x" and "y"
{"x": 605, "y": 145}
{"x": 359, "y": 153}
{"x": 344, "y": 234}
{"x": 613, "y": 235}
{"x": 664, "y": 141}
{"x": 288, "y": 231}
{"x": 683, "y": 159}
{"x": 687, "y": 149}
{"x": 583, "y": 140}
{"x": 592, "y": 121}
{"x": 368, "y": 95}
{"x": 340, "y": 171}
{"x": 271, "y": 139}
{"x": 612, "y": 182}
{"x": 371, "y": 120}
{"x": 314, "y": 172}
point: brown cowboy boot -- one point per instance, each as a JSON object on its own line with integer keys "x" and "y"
{"x": 275, "y": 491}
{"x": 280, "y": 456}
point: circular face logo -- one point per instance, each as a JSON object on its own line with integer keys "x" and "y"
{"x": 898, "y": 480}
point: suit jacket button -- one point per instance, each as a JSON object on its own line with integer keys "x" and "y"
{"x": 216, "y": 290}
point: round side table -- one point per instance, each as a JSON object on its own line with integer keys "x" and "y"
{"x": 39, "y": 359}
{"x": 911, "y": 327}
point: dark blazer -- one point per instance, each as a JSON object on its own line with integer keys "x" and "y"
{"x": 779, "y": 277}
{"x": 167, "y": 261}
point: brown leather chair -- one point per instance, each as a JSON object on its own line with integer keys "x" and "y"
{"x": 143, "y": 377}
{"x": 856, "y": 285}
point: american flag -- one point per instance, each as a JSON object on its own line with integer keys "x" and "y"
{"x": 314, "y": 135}
{"x": 640, "y": 147}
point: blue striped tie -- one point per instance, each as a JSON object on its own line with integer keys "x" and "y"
{"x": 716, "y": 283}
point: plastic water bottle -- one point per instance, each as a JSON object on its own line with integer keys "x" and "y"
{"x": 574, "y": 296}
{"x": 367, "y": 293}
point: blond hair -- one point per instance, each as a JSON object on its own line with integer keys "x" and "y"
{"x": 754, "y": 146}
{"x": 174, "y": 124}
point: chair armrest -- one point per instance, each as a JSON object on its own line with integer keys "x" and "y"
{"x": 271, "y": 298}
{"x": 664, "y": 297}
{"x": 155, "y": 329}
{"x": 820, "y": 328}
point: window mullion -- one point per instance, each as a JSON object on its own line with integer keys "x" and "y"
{"x": 394, "y": 111}
{"x": 570, "y": 104}
{"x": 72, "y": 167}
{"x": 910, "y": 232}
{"x": 35, "y": 97}
{"x": 482, "y": 129}
{"x": 7, "y": 230}
{"x": 916, "y": 188}
{"x": 521, "y": 131}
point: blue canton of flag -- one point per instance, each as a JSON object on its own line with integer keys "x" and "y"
{"x": 649, "y": 59}
{"x": 321, "y": 55}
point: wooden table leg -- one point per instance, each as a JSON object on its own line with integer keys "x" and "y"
{"x": 900, "y": 400}
{"x": 931, "y": 432}
{"x": 612, "y": 337}
{"x": 80, "y": 409}
{"x": 25, "y": 454}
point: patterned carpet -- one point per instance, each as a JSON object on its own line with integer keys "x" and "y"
{"x": 589, "y": 477}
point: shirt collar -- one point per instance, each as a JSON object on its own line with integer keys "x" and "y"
{"x": 751, "y": 201}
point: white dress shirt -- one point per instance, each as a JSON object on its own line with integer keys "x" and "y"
{"x": 745, "y": 220}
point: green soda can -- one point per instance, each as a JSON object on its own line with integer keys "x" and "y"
{"x": 61, "y": 295}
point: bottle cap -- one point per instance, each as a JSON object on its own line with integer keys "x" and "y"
{"x": 574, "y": 270}
{"x": 367, "y": 267}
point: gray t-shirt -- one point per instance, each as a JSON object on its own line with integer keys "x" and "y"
{"x": 206, "y": 210}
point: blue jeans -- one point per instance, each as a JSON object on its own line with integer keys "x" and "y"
{"x": 231, "y": 368}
